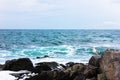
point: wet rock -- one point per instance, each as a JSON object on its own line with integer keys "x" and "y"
{"x": 95, "y": 61}
{"x": 46, "y": 56}
{"x": 42, "y": 67}
{"x": 90, "y": 71}
{"x": 50, "y": 75}
{"x": 80, "y": 77}
{"x": 63, "y": 66}
{"x": 110, "y": 64}
{"x": 47, "y": 66}
{"x": 101, "y": 77}
{"x": 94, "y": 78}
{"x": 70, "y": 64}
{"x": 42, "y": 76}
{"x": 19, "y": 64}
{"x": 75, "y": 70}
{"x": 1, "y": 66}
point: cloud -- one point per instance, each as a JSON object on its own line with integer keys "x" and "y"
{"x": 70, "y": 12}
{"x": 113, "y": 23}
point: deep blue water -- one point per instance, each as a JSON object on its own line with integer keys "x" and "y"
{"x": 61, "y": 45}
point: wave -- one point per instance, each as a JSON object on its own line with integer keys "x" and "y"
{"x": 61, "y": 53}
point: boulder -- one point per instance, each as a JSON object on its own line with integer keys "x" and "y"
{"x": 75, "y": 70}
{"x": 50, "y": 75}
{"x": 1, "y": 67}
{"x": 70, "y": 64}
{"x": 101, "y": 77}
{"x": 47, "y": 66}
{"x": 42, "y": 76}
{"x": 80, "y": 77}
{"x": 19, "y": 64}
{"x": 95, "y": 61}
{"x": 90, "y": 71}
{"x": 110, "y": 64}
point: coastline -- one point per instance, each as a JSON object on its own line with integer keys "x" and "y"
{"x": 106, "y": 67}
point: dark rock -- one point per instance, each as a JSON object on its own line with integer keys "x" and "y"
{"x": 90, "y": 71}
{"x": 95, "y": 61}
{"x": 19, "y": 64}
{"x": 38, "y": 57}
{"x": 101, "y": 77}
{"x": 42, "y": 67}
{"x": 70, "y": 64}
{"x": 42, "y": 57}
{"x": 63, "y": 66}
{"x": 80, "y": 77}
{"x": 110, "y": 64}
{"x": 46, "y": 56}
{"x": 50, "y": 75}
{"x": 75, "y": 70}
{"x": 94, "y": 78}
{"x": 47, "y": 66}
{"x": 42, "y": 76}
{"x": 1, "y": 67}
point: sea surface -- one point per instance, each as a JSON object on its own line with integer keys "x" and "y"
{"x": 60, "y": 45}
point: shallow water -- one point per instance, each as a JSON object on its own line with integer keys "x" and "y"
{"x": 61, "y": 45}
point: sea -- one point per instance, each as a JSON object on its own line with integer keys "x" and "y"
{"x": 60, "y": 45}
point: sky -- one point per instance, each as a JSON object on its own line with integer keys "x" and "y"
{"x": 59, "y": 14}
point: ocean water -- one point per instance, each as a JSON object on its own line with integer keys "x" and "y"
{"x": 60, "y": 45}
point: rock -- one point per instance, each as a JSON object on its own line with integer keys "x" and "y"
{"x": 94, "y": 78}
{"x": 19, "y": 64}
{"x": 42, "y": 67}
{"x": 101, "y": 77}
{"x": 1, "y": 67}
{"x": 47, "y": 66}
{"x": 90, "y": 71}
{"x": 80, "y": 77}
{"x": 42, "y": 76}
{"x": 110, "y": 64}
{"x": 70, "y": 64}
{"x": 75, "y": 70}
{"x": 50, "y": 75}
{"x": 46, "y": 56}
{"x": 63, "y": 66}
{"x": 95, "y": 61}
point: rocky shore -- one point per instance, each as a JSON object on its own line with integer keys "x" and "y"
{"x": 105, "y": 67}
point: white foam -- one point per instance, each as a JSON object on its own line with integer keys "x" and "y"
{"x": 5, "y": 75}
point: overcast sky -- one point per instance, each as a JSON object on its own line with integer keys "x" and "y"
{"x": 62, "y": 14}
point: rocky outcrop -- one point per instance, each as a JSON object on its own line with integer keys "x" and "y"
{"x": 19, "y": 64}
{"x": 1, "y": 67}
{"x": 95, "y": 61}
{"x": 110, "y": 64}
{"x": 105, "y": 67}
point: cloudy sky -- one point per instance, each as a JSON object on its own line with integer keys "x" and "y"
{"x": 59, "y": 14}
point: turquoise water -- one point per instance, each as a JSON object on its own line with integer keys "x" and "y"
{"x": 61, "y": 45}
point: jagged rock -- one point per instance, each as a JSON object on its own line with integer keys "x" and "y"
{"x": 42, "y": 76}
{"x": 1, "y": 67}
{"x": 50, "y": 75}
{"x": 75, "y": 70}
{"x": 94, "y": 78}
{"x": 70, "y": 64}
{"x": 95, "y": 61}
{"x": 42, "y": 67}
{"x": 47, "y": 66}
{"x": 101, "y": 77}
{"x": 90, "y": 71}
{"x": 110, "y": 64}
{"x": 80, "y": 77}
{"x": 19, "y": 64}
